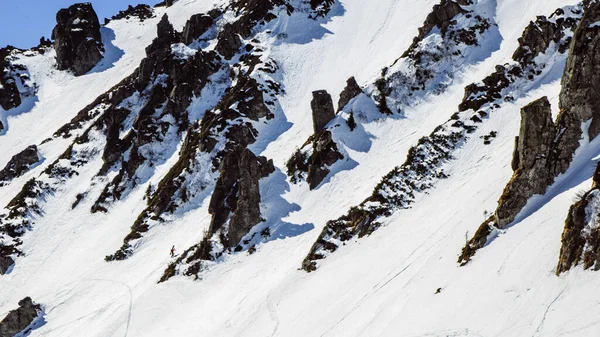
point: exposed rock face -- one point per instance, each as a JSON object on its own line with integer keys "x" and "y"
{"x": 536, "y": 38}
{"x": 319, "y": 152}
{"x": 77, "y": 39}
{"x": 352, "y": 90}
{"x": 579, "y": 97}
{"x": 196, "y": 26}
{"x": 5, "y": 261}
{"x": 19, "y": 164}
{"x": 229, "y": 42}
{"x": 20, "y": 319}
{"x": 237, "y": 194}
{"x": 13, "y": 76}
{"x": 579, "y": 103}
{"x": 314, "y": 167}
{"x": 533, "y": 173}
{"x": 581, "y": 236}
{"x": 440, "y": 17}
{"x": 322, "y": 109}
{"x": 9, "y": 92}
{"x": 320, "y": 7}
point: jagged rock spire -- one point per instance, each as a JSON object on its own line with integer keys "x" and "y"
{"x": 77, "y": 38}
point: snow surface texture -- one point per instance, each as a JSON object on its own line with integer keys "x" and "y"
{"x": 383, "y": 285}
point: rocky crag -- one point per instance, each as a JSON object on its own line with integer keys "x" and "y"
{"x": 545, "y": 148}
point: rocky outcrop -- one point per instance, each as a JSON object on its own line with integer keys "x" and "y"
{"x": 440, "y": 17}
{"x": 19, "y": 164}
{"x": 320, "y": 8}
{"x": 580, "y": 243}
{"x": 435, "y": 56}
{"x": 427, "y": 162}
{"x": 351, "y": 90}
{"x": 141, "y": 11}
{"x": 195, "y": 27}
{"x": 535, "y": 40}
{"x": 77, "y": 39}
{"x": 541, "y": 157}
{"x": 21, "y": 320}
{"x": 6, "y": 262}
{"x": 236, "y": 198}
{"x": 9, "y": 92}
{"x": 15, "y": 83}
{"x": 312, "y": 162}
{"x": 322, "y": 109}
{"x": 229, "y": 42}
{"x": 534, "y": 151}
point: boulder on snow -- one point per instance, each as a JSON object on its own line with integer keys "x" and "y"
{"x": 20, "y": 320}
{"x": 77, "y": 38}
{"x": 5, "y": 263}
{"x": 20, "y": 163}
{"x": 322, "y": 109}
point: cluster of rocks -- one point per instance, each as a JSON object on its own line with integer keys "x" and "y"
{"x": 77, "y": 39}
{"x": 427, "y": 69}
{"x": 545, "y": 149}
{"x": 21, "y": 321}
{"x": 142, "y": 12}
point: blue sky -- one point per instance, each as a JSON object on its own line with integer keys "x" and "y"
{"x": 23, "y": 22}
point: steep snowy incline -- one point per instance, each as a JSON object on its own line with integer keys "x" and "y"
{"x": 402, "y": 280}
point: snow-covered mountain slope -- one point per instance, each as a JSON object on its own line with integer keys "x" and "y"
{"x": 177, "y": 153}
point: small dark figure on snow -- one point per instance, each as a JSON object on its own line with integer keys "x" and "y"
{"x": 173, "y": 251}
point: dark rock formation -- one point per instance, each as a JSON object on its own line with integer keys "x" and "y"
{"x": 536, "y": 39}
{"x": 542, "y": 163}
{"x": 314, "y": 168}
{"x": 441, "y": 17}
{"x": 196, "y": 26}
{"x": 320, "y": 8}
{"x": 352, "y": 90}
{"x": 322, "y": 109}
{"x": 77, "y": 39}
{"x": 533, "y": 173}
{"x": 5, "y": 261}
{"x": 9, "y": 92}
{"x": 237, "y": 197}
{"x": 20, "y": 320}
{"x": 581, "y": 236}
{"x": 229, "y": 42}
{"x": 13, "y": 76}
{"x": 19, "y": 164}
{"x": 141, "y": 11}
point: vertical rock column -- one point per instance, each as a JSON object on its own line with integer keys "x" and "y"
{"x": 77, "y": 39}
